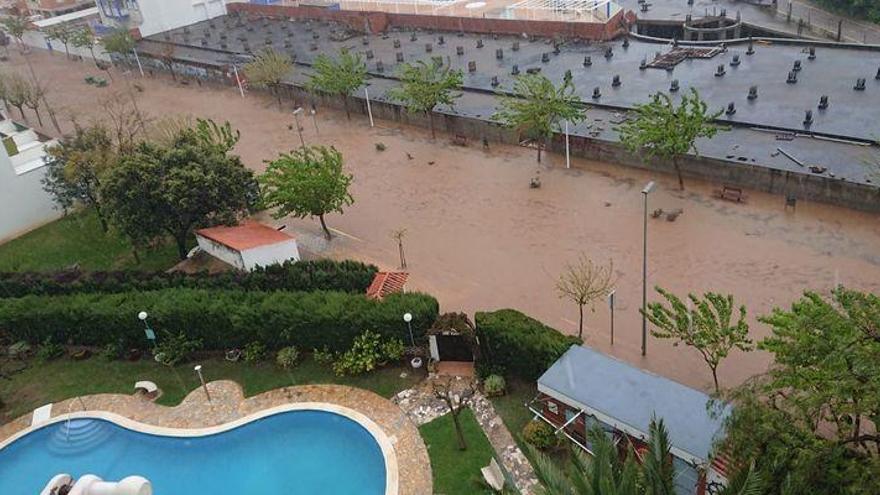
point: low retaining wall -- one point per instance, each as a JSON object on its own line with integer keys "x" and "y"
{"x": 748, "y": 176}
{"x": 377, "y": 22}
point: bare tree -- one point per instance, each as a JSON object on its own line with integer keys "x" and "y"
{"x": 583, "y": 282}
{"x": 34, "y": 98}
{"x": 18, "y": 90}
{"x": 126, "y": 122}
{"x": 456, "y": 400}
{"x": 398, "y": 235}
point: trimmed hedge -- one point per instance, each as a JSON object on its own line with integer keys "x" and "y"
{"x": 221, "y": 319}
{"x": 345, "y": 276}
{"x": 523, "y": 346}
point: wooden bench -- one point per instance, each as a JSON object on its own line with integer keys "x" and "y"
{"x": 728, "y": 193}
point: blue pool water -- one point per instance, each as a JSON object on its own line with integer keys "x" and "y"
{"x": 298, "y": 452}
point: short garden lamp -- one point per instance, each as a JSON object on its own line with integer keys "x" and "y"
{"x": 407, "y": 317}
{"x": 151, "y": 335}
{"x": 198, "y": 370}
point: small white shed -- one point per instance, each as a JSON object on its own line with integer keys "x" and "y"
{"x": 248, "y": 245}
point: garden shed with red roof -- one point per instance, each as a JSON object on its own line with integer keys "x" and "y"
{"x": 248, "y": 245}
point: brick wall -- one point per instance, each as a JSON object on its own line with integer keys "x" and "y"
{"x": 376, "y": 22}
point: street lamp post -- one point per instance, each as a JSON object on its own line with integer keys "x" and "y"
{"x": 611, "y": 306}
{"x": 151, "y": 335}
{"x": 314, "y": 112}
{"x": 198, "y": 370}
{"x": 407, "y": 317}
{"x": 296, "y": 113}
{"x": 649, "y": 187}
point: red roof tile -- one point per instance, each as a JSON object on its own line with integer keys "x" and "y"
{"x": 245, "y": 236}
{"x": 385, "y": 283}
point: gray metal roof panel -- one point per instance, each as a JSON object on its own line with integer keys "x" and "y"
{"x": 632, "y": 396}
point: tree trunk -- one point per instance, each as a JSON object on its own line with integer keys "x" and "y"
{"x": 678, "y": 172}
{"x": 137, "y": 257}
{"x": 324, "y": 226}
{"x": 181, "y": 246}
{"x": 171, "y": 70}
{"x": 100, "y": 216}
{"x": 345, "y": 104}
{"x": 402, "y": 257}
{"x": 431, "y": 122}
{"x": 462, "y": 445}
{"x": 66, "y": 51}
{"x": 94, "y": 58}
{"x": 715, "y": 380}
{"x": 539, "y": 152}
{"x": 581, "y": 321}
{"x": 39, "y": 118}
{"x": 109, "y": 74}
{"x": 21, "y": 111}
{"x": 278, "y": 95}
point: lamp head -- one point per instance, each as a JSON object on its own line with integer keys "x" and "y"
{"x": 407, "y": 317}
{"x": 198, "y": 367}
{"x": 142, "y": 315}
{"x": 298, "y": 110}
{"x": 649, "y": 187}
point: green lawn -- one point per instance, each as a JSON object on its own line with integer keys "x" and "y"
{"x": 42, "y": 383}
{"x": 77, "y": 238}
{"x": 457, "y": 472}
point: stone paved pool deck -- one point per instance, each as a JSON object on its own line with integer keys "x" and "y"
{"x": 228, "y": 403}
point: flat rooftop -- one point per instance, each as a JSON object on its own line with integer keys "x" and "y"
{"x": 836, "y": 139}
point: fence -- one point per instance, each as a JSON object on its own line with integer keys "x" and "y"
{"x": 826, "y": 24}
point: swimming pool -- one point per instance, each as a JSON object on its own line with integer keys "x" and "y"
{"x": 293, "y": 452}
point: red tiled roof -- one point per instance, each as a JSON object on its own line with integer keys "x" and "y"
{"x": 245, "y": 236}
{"x": 385, "y": 283}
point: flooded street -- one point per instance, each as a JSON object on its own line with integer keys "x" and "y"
{"x": 478, "y": 238}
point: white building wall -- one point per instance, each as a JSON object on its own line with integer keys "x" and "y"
{"x": 156, "y": 16}
{"x": 221, "y": 252}
{"x": 24, "y": 205}
{"x": 270, "y": 255}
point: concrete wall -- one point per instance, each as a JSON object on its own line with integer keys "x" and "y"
{"x": 24, "y": 205}
{"x": 36, "y": 39}
{"x": 377, "y": 22}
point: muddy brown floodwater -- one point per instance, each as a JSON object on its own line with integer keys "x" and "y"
{"x": 479, "y": 238}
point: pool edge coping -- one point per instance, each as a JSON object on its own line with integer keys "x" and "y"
{"x": 389, "y": 454}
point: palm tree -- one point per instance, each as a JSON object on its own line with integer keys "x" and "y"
{"x": 606, "y": 472}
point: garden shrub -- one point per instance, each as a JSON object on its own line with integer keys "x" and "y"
{"x": 48, "y": 350}
{"x": 494, "y": 386}
{"x": 523, "y": 346}
{"x": 288, "y": 357}
{"x": 343, "y": 276}
{"x": 176, "y": 348}
{"x": 253, "y": 352}
{"x": 323, "y": 355}
{"x": 220, "y": 319}
{"x": 540, "y": 435}
{"x": 368, "y": 352}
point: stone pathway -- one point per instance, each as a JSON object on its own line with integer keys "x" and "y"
{"x": 422, "y": 407}
{"x": 228, "y": 403}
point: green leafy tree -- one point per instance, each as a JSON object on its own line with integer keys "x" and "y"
{"x": 537, "y": 107}
{"x": 159, "y": 191}
{"x": 16, "y": 26}
{"x": 119, "y": 42}
{"x": 62, "y": 34}
{"x": 268, "y": 69}
{"x": 341, "y": 76}
{"x": 662, "y": 129}
{"x": 707, "y": 326}
{"x": 812, "y": 421}
{"x": 310, "y": 181}
{"x": 85, "y": 38}
{"x": 74, "y": 168}
{"x": 424, "y": 85}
